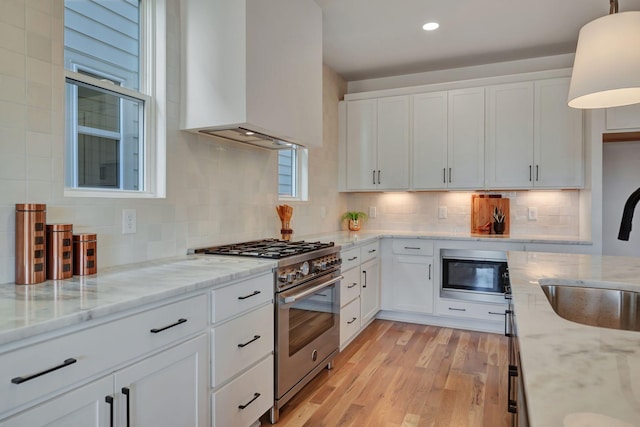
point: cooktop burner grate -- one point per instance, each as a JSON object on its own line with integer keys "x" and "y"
{"x": 267, "y": 248}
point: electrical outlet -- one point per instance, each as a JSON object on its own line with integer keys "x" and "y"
{"x": 533, "y": 214}
{"x": 442, "y": 212}
{"x": 372, "y": 211}
{"x": 128, "y": 221}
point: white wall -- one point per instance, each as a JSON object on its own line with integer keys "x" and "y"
{"x": 217, "y": 191}
{"x": 620, "y": 178}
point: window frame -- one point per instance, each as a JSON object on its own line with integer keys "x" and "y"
{"x": 300, "y": 172}
{"x": 152, "y": 94}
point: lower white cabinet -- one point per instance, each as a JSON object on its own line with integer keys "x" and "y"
{"x": 411, "y": 288}
{"x": 350, "y": 321}
{"x": 167, "y": 389}
{"x": 369, "y": 289}
{"x": 472, "y": 310}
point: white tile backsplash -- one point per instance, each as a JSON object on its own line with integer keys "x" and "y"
{"x": 217, "y": 191}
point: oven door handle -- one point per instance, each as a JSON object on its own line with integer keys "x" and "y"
{"x": 306, "y": 292}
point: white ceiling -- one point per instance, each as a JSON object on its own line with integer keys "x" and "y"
{"x": 377, "y": 38}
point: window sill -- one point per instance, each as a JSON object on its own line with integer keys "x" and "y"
{"x": 110, "y": 194}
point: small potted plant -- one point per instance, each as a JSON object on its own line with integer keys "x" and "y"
{"x": 498, "y": 220}
{"x": 354, "y": 219}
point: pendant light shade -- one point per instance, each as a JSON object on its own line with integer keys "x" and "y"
{"x": 606, "y": 68}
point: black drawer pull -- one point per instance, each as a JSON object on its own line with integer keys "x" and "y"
{"x": 250, "y": 295}
{"x": 352, "y": 259}
{"x": 413, "y": 248}
{"x": 457, "y": 309}
{"x": 255, "y": 337}
{"x": 255, "y": 396}
{"x": 352, "y": 320}
{"x": 109, "y": 400}
{"x": 353, "y": 285}
{"x": 372, "y": 251}
{"x": 179, "y": 322}
{"x": 126, "y": 392}
{"x": 497, "y": 314}
{"x": 20, "y": 380}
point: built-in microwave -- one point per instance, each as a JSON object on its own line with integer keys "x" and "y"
{"x": 475, "y": 275}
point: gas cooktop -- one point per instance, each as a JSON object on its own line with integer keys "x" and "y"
{"x": 266, "y": 248}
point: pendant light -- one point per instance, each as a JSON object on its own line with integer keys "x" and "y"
{"x": 606, "y": 68}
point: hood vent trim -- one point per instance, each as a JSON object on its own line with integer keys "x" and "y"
{"x": 247, "y": 136}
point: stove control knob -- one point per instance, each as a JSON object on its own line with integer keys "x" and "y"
{"x": 317, "y": 266}
{"x": 282, "y": 277}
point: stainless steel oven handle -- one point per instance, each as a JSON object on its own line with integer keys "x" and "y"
{"x": 306, "y": 292}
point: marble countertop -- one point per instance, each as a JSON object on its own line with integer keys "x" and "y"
{"x": 575, "y": 375}
{"x": 28, "y": 310}
{"x": 347, "y": 239}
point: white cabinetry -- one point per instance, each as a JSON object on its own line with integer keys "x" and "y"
{"x": 625, "y": 118}
{"x": 240, "y": 58}
{"x": 408, "y": 285}
{"x": 242, "y": 340}
{"x": 429, "y": 141}
{"x": 377, "y": 139}
{"x": 534, "y": 140}
{"x": 172, "y": 375}
{"x": 359, "y": 290}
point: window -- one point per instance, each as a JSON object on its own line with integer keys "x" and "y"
{"x": 114, "y": 76}
{"x": 292, "y": 174}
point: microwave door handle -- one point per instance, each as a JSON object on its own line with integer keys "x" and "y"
{"x": 293, "y": 298}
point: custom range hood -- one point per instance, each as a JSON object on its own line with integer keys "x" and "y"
{"x": 252, "y": 66}
{"x": 247, "y": 136}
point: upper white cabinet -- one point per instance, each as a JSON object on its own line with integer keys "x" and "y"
{"x": 253, "y": 64}
{"x": 377, "y": 144}
{"x": 465, "y": 148}
{"x": 623, "y": 118}
{"x": 534, "y": 140}
{"x": 429, "y": 140}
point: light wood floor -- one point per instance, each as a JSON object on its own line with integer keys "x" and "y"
{"x": 401, "y": 374}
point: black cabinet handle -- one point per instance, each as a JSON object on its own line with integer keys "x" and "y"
{"x": 250, "y": 295}
{"x": 497, "y": 314}
{"x": 352, "y": 320}
{"x": 537, "y": 173}
{"x": 507, "y": 316}
{"x": 365, "y": 278}
{"x": 444, "y": 175}
{"x": 109, "y": 400}
{"x": 457, "y": 309}
{"x": 512, "y": 404}
{"x": 127, "y": 392}
{"x": 20, "y": 380}
{"x": 449, "y": 175}
{"x": 412, "y": 248}
{"x": 255, "y": 396}
{"x": 352, "y": 259}
{"x": 372, "y": 251}
{"x": 158, "y": 330}
{"x": 530, "y": 176}
{"x": 378, "y": 176}
{"x": 353, "y": 285}
{"x": 374, "y": 178}
{"x": 429, "y": 271}
{"x": 255, "y": 338}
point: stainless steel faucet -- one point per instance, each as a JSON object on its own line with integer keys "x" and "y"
{"x": 627, "y": 215}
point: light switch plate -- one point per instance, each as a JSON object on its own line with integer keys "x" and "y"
{"x": 532, "y": 214}
{"x": 442, "y": 212}
{"x": 128, "y": 221}
{"x": 372, "y": 211}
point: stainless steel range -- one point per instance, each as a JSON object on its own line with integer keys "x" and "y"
{"x": 307, "y": 309}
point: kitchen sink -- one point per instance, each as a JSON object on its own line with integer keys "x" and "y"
{"x": 606, "y": 308}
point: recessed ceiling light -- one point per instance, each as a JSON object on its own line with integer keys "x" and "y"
{"x": 430, "y": 26}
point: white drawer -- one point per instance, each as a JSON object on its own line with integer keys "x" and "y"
{"x": 350, "y": 258}
{"x": 350, "y": 286}
{"x": 413, "y": 247}
{"x": 242, "y": 296}
{"x": 471, "y": 310}
{"x": 95, "y": 350}
{"x": 255, "y": 383}
{"x": 349, "y": 320}
{"x": 240, "y": 343}
{"x": 369, "y": 251}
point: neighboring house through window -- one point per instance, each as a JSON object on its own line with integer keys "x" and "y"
{"x": 114, "y": 73}
{"x": 293, "y": 174}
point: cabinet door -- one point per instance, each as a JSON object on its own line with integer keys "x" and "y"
{"x": 83, "y": 407}
{"x": 393, "y": 143}
{"x": 361, "y": 144}
{"x": 558, "y": 143}
{"x": 465, "y": 169}
{"x": 412, "y": 288}
{"x": 429, "y": 141}
{"x": 510, "y": 136}
{"x": 370, "y": 290}
{"x": 623, "y": 118}
{"x": 168, "y": 389}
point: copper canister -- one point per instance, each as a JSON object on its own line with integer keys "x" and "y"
{"x": 59, "y": 251}
{"x": 30, "y": 243}
{"x": 85, "y": 254}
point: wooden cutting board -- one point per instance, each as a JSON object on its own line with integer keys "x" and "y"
{"x": 482, "y": 206}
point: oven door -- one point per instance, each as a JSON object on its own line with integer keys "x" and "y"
{"x": 308, "y": 326}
